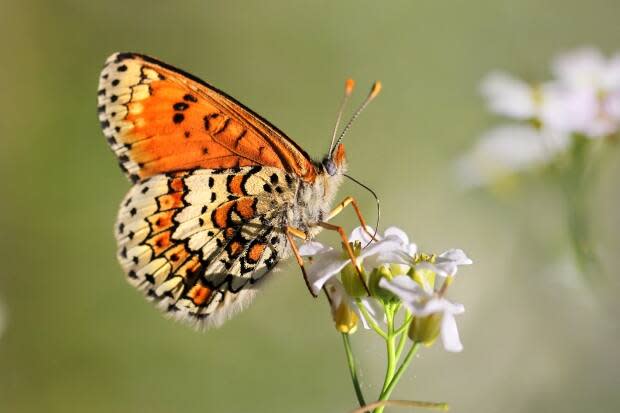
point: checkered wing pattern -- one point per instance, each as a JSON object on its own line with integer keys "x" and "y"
{"x": 198, "y": 242}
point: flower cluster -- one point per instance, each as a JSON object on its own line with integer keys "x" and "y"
{"x": 581, "y": 101}
{"x": 390, "y": 274}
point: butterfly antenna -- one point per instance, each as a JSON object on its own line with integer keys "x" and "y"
{"x": 348, "y": 90}
{"x": 374, "y": 91}
{"x": 374, "y": 235}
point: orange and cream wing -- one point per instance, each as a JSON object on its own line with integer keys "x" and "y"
{"x": 158, "y": 119}
{"x": 198, "y": 242}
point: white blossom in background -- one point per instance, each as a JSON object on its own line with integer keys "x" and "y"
{"x": 582, "y": 99}
{"x": 592, "y": 87}
{"x": 547, "y": 103}
{"x": 506, "y": 150}
{"x": 508, "y": 96}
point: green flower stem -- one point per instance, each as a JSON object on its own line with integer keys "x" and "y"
{"x": 576, "y": 181}
{"x": 401, "y": 346}
{"x": 390, "y": 344}
{"x": 388, "y": 390}
{"x": 371, "y": 320}
{"x": 353, "y": 369}
{"x": 444, "y": 407}
{"x": 405, "y": 325}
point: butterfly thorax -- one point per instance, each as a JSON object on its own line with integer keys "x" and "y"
{"x": 314, "y": 200}
{"x": 311, "y": 203}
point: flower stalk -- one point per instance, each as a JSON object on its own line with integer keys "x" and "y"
{"x": 353, "y": 369}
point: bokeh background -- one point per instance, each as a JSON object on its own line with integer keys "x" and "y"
{"x": 78, "y": 338}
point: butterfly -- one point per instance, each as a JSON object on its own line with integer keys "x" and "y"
{"x": 218, "y": 194}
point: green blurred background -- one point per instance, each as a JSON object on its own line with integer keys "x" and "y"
{"x": 78, "y": 338}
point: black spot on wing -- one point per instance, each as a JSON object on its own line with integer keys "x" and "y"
{"x": 180, "y": 106}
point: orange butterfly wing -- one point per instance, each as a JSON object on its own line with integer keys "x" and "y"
{"x": 159, "y": 119}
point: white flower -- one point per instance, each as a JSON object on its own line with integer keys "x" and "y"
{"x": 584, "y": 98}
{"x": 425, "y": 302}
{"x": 509, "y": 96}
{"x": 586, "y": 67}
{"x": 591, "y": 90}
{"x": 328, "y": 262}
{"x": 508, "y": 149}
{"x": 402, "y": 254}
{"x": 446, "y": 264}
{"x": 551, "y": 103}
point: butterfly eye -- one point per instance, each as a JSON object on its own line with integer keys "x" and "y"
{"x": 330, "y": 166}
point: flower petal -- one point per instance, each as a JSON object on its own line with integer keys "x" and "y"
{"x": 508, "y": 95}
{"x": 386, "y": 245}
{"x": 336, "y": 292}
{"x": 373, "y": 309}
{"x": 398, "y": 233}
{"x": 446, "y": 264}
{"x": 359, "y": 234}
{"x": 450, "y": 333}
{"x": 324, "y": 267}
{"x": 310, "y": 248}
{"x": 581, "y": 67}
{"x": 389, "y": 250}
{"x": 412, "y": 250}
{"x": 505, "y": 150}
{"x": 409, "y": 292}
{"x": 456, "y": 255}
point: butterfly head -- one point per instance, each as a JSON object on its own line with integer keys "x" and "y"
{"x": 336, "y": 164}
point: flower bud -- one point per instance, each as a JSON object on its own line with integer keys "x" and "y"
{"x": 345, "y": 318}
{"x": 373, "y": 284}
{"x": 425, "y": 329}
{"x": 352, "y": 282}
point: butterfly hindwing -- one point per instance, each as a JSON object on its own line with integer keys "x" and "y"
{"x": 197, "y": 242}
{"x": 158, "y": 119}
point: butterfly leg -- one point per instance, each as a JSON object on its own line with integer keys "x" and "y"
{"x": 294, "y": 232}
{"x": 347, "y": 247}
{"x": 353, "y": 202}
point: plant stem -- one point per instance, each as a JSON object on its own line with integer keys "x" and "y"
{"x": 403, "y": 403}
{"x": 390, "y": 344}
{"x": 371, "y": 320}
{"x": 401, "y": 346}
{"x": 576, "y": 183}
{"x": 388, "y": 390}
{"x": 405, "y": 325}
{"x": 353, "y": 369}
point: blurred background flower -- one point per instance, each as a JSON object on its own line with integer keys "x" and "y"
{"x": 81, "y": 339}
{"x": 560, "y": 121}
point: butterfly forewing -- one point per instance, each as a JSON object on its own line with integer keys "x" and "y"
{"x": 158, "y": 119}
